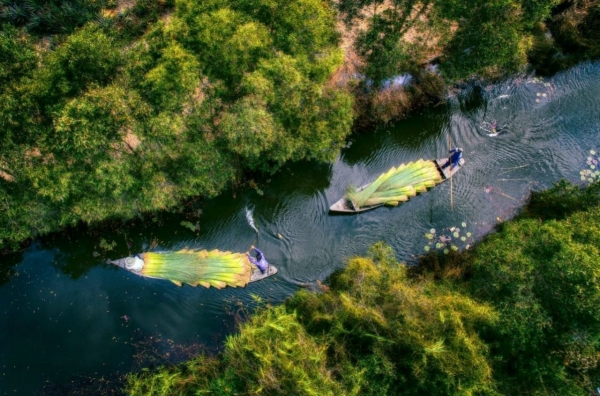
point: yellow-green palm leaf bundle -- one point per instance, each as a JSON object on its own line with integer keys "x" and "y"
{"x": 397, "y": 185}
{"x": 193, "y": 267}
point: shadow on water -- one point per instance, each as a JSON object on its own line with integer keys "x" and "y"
{"x": 68, "y": 315}
{"x": 413, "y": 133}
{"x": 472, "y": 98}
{"x": 7, "y": 267}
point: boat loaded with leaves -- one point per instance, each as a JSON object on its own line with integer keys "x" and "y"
{"x": 396, "y": 185}
{"x": 196, "y": 267}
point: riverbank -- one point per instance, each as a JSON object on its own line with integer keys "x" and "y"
{"x": 515, "y": 314}
{"x": 402, "y": 56}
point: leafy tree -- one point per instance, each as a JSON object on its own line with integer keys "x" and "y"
{"x": 49, "y": 16}
{"x": 250, "y": 131}
{"x": 316, "y": 120}
{"x": 87, "y": 57}
{"x": 174, "y": 79}
{"x": 17, "y": 55}
{"x": 544, "y": 280}
{"x": 490, "y": 39}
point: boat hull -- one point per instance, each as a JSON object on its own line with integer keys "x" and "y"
{"x": 345, "y": 206}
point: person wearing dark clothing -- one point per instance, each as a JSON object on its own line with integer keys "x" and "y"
{"x": 260, "y": 261}
{"x": 454, "y": 158}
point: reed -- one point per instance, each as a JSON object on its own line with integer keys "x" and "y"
{"x": 396, "y": 185}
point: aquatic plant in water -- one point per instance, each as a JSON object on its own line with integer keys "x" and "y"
{"x": 592, "y": 174}
{"x": 451, "y": 238}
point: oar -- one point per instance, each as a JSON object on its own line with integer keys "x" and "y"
{"x": 451, "y": 186}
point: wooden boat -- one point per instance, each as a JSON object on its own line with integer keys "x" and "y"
{"x": 196, "y": 267}
{"x": 345, "y": 206}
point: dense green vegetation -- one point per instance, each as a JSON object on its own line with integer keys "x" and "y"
{"x": 515, "y": 315}
{"x": 130, "y": 113}
{"x": 487, "y": 39}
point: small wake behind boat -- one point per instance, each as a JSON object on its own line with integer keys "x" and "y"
{"x": 396, "y": 185}
{"x": 196, "y": 267}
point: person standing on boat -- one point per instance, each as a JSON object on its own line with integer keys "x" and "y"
{"x": 454, "y": 158}
{"x": 260, "y": 261}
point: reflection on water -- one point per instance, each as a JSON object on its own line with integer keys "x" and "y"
{"x": 66, "y": 314}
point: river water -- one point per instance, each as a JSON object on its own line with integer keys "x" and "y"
{"x": 66, "y": 316}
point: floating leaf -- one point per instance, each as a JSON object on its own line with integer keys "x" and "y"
{"x": 455, "y": 235}
{"x": 259, "y": 191}
{"x": 188, "y": 225}
{"x": 463, "y": 224}
{"x": 429, "y": 236}
{"x": 582, "y": 178}
{"x": 592, "y": 152}
{"x": 439, "y": 245}
{"x": 469, "y": 234}
{"x": 432, "y": 231}
{"x": 446, "y": 251}
{"x": 463, "y": 239}
{"x": 455, "y": 248}
{"x": 427, "y": 248}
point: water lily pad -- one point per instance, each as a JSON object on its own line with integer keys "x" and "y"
{"x": 463, "y": 239}
{"x": 469, "y": 234}
{"x": 592, "y": 152}
{"x": 432, "y": 231}
{"x": 538, "y": 94}
{"x": 455, "y": 248}
{"x": 455, "y": 235}
{"x": 452, "y": 229}
{"x": 439, "y": 245}
{"x": 463, "y": 224}
{"x": 429, "y": 236}
{"x": 427, "y": 248}
{"x": 446, "y": 251}
{"x": 582, "y": 177}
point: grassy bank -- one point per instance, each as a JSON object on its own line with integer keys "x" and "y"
{"x": 515, "y": 315}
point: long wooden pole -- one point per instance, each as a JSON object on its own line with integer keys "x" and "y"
{"x": 451, "y": 186}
